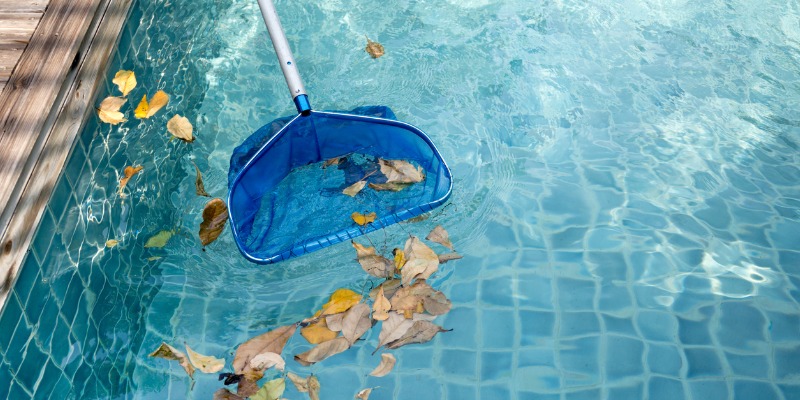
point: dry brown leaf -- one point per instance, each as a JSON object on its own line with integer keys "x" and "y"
{"x": 199, "y": 188}
{"x": 313, "y": 387}
{"x": 356, "y": 322}
{"x": 353, "y": 189}
{"x": 159, "y": 100}
{"x": 125, "y": 81}
{"x": 215, "y": 214}
{"x": 443, "y": 258}
{"x": 363, "y": 219}
{"x": 421, "y": 262}
{"x": 332, "y": 161}
{"x": 374, "y": 264}
{"x": 399, "y": 171}
{"x": 225, "y": 394}
{"x": 207, "y": 364}
{"x": 334, "y": 322}
{"x": 374, "y": 49}
{"x": 129, "y": 172}
{"x": 440, "y": 235}
{"x": 299, "y": 382}
{"x": 419, "y": 332}
{"x": 170, "y": 353}
{"x": 381, "y": 306}
{"x": 409, "y": 299}
{"x": 111, "y": 117}
{"x": 436, "y": 303}
{"x": 318, "y": 332}
{"x": 181, "y": 128}
{"x": 272, "y": 341}
{"x": 267, "y": 360}
{"x": 112, "y": 103}
{"x": 386, "y": 365}
{"x": 393, "y": 328}
{"x": 363, "y": 394}
{"x": 390, "y": 187}
{"x": 248, "y": 384}
{"x": 111, "y": 243}
{"x": 389, "y": 287}
{"x": 323, "y": 351}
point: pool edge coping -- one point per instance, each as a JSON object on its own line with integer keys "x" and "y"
{"x": 58, "y": 134}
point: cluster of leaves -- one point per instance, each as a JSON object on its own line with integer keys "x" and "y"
{"x": 215, "y": 213}
{"x": 403, "y": 302}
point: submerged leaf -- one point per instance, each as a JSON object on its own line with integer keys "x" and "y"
{"x": 125, "y": 81}
{"x": 225, "y": 394}
{"x": 268, "y": 360}
{"x": 215, "y": 214}
{"x": 129, "y": 172}
{"x": 332, "y": 161}
{"x": 386, "y": 365}
{"x": 159, "y": 100}
{"x": 443, "y": 258}
{"x": 299, "y": 382}
{"x": 389, "y": 186}
{"x": 374, "y": 49}
{"x": 440, "y": 235}
{"x": 374, "y": 264}
{"x": 399, "y": 171}
{"x": 159, "y": 240}
{"x": 421, "y": 262}
{"x": 363, "y": 219}
{"x": 272, "y": 390}
{"x": 353, "y": 189}
{"x": 141, "y": 109}
{"x": 272, "y": 341}
{"x": 419, "y": 332}
{"x": 207, "y": 364}
{"x": 313, "y": 387}
{"x": 381, "y": 306}
{"x": 181, "y": 128}
{"x": 170, "y": 353}
{"x": 199, "y": 188}
{"x": 248, "y": 384}
{"x": 363, "y": 394}
{"x": 111, "y": 243}
{"x": 356, "y": 322}
{"x": 318, "y": 332}
{"x": 323, "y": 351}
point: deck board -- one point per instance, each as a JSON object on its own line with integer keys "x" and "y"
{"x": 7, "y": 6}
{"x": 18, "y": 21}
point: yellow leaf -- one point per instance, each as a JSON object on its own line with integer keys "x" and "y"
{"x": 318, "y": 332}
{"x": 340, "y": 301}
{"x": 181, "y": 128}
{"x": 215, "y": 214}
{"x": 381, "y": 306}
{"x": 159, "y": 240}
{"x": 399, "y": 258}
{"x": 159, "y": 100}
{"x": 386, "y": 365}
{"x": 111, "y": 243}
{"x": 129, "y": 172}
{"x": 207, "y": 364}
{"x": 363, "y": 219}
{"x": 353, "y": 189}
{"x": 111, "y": 117}
{"x": 125, "y": 81}
{"x": 374, "y": 49}
{"x": 141, "y": 109}
{"x": 170, "y": 353}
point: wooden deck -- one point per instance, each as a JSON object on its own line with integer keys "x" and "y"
{"x": 18, "y": 21}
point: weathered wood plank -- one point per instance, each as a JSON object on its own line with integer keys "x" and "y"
{"x": 8, "y": 6}
{"x": 19, "y": 22}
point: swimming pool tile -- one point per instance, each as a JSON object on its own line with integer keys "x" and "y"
{"x": 47, "y": 383}
{"x": 708, "y": 389}
{"x": 536, "y": 326}
{"x": 16, "y": 391}
{"x": 657, "y": 325}
{"x": 460, "y": 391}
{"x": 702, "y": 362}
{"x": 72, "y": 298}
{"x": 424, "y": 387}
{"x": 47, "y": 323}
{"x": 465, "y": 333}
{"x": 741, "y": 327}
{"x": 577, "y": 324}
{"x": 43, "y": 237}
{"x": 754, "y": 366}
{"x": 588, "y": 394}
{"x": 615, "y": 299}
{"x": 496, "y": 365}
{"x": 499, "y": 329}
{"x": 575, "y": 294}
{"x": 412, "y": 357}
{"x": 498, "y": 391}
{"x": 12, "y": 313}
{"x": 462, "y": 363}
{"x": 630, "y": 391}
{"x": 786, "y": 362}
{"x": 790, "y": 391}
{"x": 623, "y": 358}
{"x": 580, "y": 357}
{"x": 31, "y": 366}
{"x": 463, "y": 292}
{"x": 29, "y": 276}
{"x": 498, "y": 291}
{"x": 664, "y": 359}
{"x": 694, "y": 332}
{"x": 665, "y": 389}
{"x": 535, "y": 291}
{"x": 750, "y": 389}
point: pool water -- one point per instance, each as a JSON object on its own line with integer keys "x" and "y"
{"x": 626, "y": 198}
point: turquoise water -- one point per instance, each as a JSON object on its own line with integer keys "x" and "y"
{"x": 626, "y": 198}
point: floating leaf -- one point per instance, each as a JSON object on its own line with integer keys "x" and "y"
{"x": 129, "y": 172}
{"x": 125, "y": 81}
{"x": 440, "y": 235}
{"x": 112, "y": 103}
{"x": 334, "y": 322}
{"x": 272, "y": 342}
{"x": 436, "y": 303}
{"x": 381, "y": 306}
{"x": 389, "y": 186}
{"x": 323, "y": 351}
{"x": 389, "y": 287}
{"x": 374, "y": 264}
{"x": 421, "y": 262}
{"x": 268, "y": 360}
{"x": 374, "y": 49}
{"x": 318, "y": 332}
{"x": 313, "y": 387}
{"x": 299, "y": 382}
{"x": 356, "y": 322}
{"x": 408, "y": 299}
{"x": 170, "y": 353}
{"x": 248, "y": 384}
{"x": 353, "y": 189}
{"x": 399, "y": 258}
{"x": 363, "y": 394}
{"x": 340, "y": 301}
{"x": 181, "y": 128}
{"x": 207, "y": 364}
{"x": 199, "y": 188}
{"x": 215, "y": 214}
{"x": 111, "y": 243}
{"x": 399, "y": 171}
{"x": 272, "y": 390}
{"x": 419, "y": 332}
{"x": 159, "y": 240}
{"x": 141, "y": 109}
{"x": 386, "y": 365}
{"x": 443, "y": 258}
{"x": 363, "y": 219}
{"x": 109, "y": 110}
{"x": 159, "y": 100}
{"x": 225, "y": 394}
{"x": 393, "y": 328}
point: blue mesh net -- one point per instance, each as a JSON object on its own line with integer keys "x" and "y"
{"x": 284, "y": 203}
